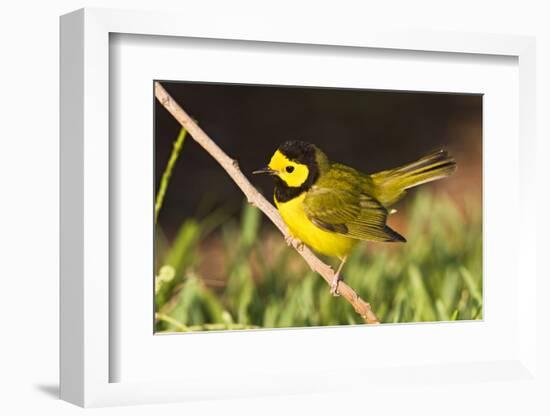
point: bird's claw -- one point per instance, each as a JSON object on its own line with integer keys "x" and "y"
{"x": 294, "y": 242}
{"x": 334, "y": 285}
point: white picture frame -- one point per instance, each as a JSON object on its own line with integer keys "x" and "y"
{"x": 87, "y": 356}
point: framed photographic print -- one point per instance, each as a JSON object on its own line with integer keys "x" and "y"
{"x": 366, "y": 248}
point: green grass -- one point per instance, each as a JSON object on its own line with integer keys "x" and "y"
{"x": 261, "y": 283}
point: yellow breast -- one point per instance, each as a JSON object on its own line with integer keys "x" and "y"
{"x": 299, "y": 225}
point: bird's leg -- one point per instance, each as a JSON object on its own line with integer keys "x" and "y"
{"x": 293, "y": 242}
{"x": 336, "y": 279}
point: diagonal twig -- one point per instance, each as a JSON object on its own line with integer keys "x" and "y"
{"x": 255, "y": 198}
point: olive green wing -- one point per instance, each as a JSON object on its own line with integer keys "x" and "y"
{"x": 337, "y": 203}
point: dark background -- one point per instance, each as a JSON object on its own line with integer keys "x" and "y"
{"x": 369, "y": 130}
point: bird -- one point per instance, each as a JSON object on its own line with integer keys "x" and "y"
{"x": 330, "y": 207}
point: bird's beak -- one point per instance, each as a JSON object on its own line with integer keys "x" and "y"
{"x": 267, "y": 170}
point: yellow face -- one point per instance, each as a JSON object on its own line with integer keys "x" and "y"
{"x": 292, "y": 173}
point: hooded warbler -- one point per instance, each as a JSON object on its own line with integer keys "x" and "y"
{"x": 330, "y": 206}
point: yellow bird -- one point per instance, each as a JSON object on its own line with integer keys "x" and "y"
{"x": 330, "y": 207}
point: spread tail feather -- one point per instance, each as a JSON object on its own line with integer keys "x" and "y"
{"x": 391, "y": 185}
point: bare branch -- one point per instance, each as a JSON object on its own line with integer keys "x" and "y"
{"x": 255, "y": 198}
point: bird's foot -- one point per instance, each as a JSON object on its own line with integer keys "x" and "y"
{"x": 334, "y": 285}
{"x": 294, "y": 242}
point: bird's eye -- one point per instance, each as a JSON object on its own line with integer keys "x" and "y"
{"x": 290, "y": 169}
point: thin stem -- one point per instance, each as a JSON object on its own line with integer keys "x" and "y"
{"x": 176, "y": 149}
{"x": 162, "y": 317}
{"x": 204, "y": 327}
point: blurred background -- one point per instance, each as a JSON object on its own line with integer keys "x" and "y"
{"x": 220, "y": 264}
